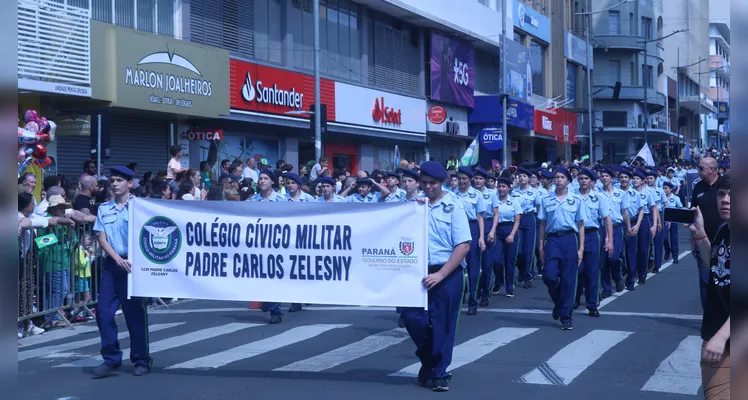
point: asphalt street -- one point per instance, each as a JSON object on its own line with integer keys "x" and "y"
{"x": 645, "y": 345}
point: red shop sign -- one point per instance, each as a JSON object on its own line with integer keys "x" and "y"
{"x": 437, "y": 114}
{"x": 386, "y": 115}
{"x": 558, "y": 123}
{"x": 276, "y": 91}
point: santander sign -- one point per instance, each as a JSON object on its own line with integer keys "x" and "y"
{"x": 271, "y": 95}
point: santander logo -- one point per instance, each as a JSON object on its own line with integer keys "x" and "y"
{"x": 248, "y": 92}
{"x": 271, "y": 95}
{"x": 385, "y": 115}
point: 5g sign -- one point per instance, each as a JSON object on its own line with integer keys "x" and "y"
{"x": 461, "y": 76}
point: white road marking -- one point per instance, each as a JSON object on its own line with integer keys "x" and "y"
{"x": 58, "y": 351}
{"x": 474, "y": 348}
{"x": 610, "y": 299}
{"x": 368, "y": 345}
{"x": 572, "y": 360}
{"x": 253, "y": 349}
{"x": 57, "y": 334}
{"x": 680, "y": 372}
{"x": 170, "y": 343}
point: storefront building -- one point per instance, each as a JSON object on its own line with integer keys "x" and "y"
{"x": 562, "y": 127}
{"x": 487, "y": 113}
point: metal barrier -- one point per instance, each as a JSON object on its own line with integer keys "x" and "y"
{"x": 59, "y": 270}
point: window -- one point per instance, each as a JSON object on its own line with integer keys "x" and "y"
{"x": 155, "y": 16}
{"x": 615, "y": 118}
{"x": 633, "y": 78}
{"x": 340, "y": 37}
{"x": 632, "y": 25}
{"x": 267, "y": 30}
{"x": 394, "y": 56}
{"x": 614, "y": 69}
{"x": 647, "y": 80}
{"x": 614, "y": 22}
{"x": 519, "y": 38}
{"x": 647, "y": 28}
{"x": 537, "y": 59}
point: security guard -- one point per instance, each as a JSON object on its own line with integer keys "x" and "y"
{"x": 474, "y": 208}
{"x": 671, "y": 230}
{"x": 433, "y": 330}
{"x": 396, "y": 195}
{"x": 293, "y": 189}
{"x": 529, "y": 200}
{"x": 596, "y": 214}
{"x": 659, "y": 197}
{"x": 111, "y": 225}
{"x": 648, "y": 224}
{"x": 618, "y": 201}
{"x": 507, "y": 241}
{"x": 562, "y": 229}
{"x": 265, "y": 192}
{"x": 480, "y": 176}
{"x": 636, "y": 213}
{"x": 327, "y": 188}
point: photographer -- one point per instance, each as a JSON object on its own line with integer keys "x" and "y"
{"x": 715, "y": 328}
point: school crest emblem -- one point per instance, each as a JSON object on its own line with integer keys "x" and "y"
{"x": 407, "y": 245}
{"x": 447, "y": 208}
{"x": 160, "y": 240}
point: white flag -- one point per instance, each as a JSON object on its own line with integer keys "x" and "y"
{"x": 646, "y": 155}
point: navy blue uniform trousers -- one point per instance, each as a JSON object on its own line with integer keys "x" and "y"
{"x": 526, "y": 249}
{"x": 589, "y": 271}
{"x": 560, "y": 271}
{"x": 506, "y": 256}
{"x": 611, "y": 267}
{"x": 112, "y": 293}
{"x": 473, "y": 264}
{"x": 659, "y": 248}
{"x": 642, "y": 253}
{"x": 488, "y": 257}
{"x": 433, "y": 330}
{"x": 632, "y": 246}
{"x": 671, "y": 235}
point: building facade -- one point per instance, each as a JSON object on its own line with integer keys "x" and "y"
{"x": 718, "y": 124}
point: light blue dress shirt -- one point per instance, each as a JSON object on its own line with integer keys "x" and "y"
{"x": 398, "y": 196}
{"x": 335, "y": 199}
{"x": 595, "y": 208}
{"x": 635, "y": 203}
{"x": 491, "y": 201}
{"x": 274, "y": 196}
{"x": 370, "y": 198}
{"x": 561, "y": 215}
{"x": 113, "y": 221}
{"x": 646, "y": 196}
{"x": 473, "y": 202}
{"x": 529, "y": 199}
{"x": 673, "y": 202}
{"x": 448, "y": 227}
{"x": 508, "y": 209}
{"x": 659, "y": 197}
{"x": 617, "y": 202}
{"x": 303, "y": 197}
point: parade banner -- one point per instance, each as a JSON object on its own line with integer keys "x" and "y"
{"x": 319, "y": 253}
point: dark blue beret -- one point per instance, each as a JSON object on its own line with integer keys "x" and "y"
{"x": 491, "y": 177}
{"x": 524, "y": 171}
{"x": 364, "y": 181}
{"x": 410, "y": 173}
{"x": 267, "y": 172}
{"x": 589, "y": 173}
{"x": 625, "y": 171}
{"x": 640, "y": 174}
{"x": 122, "y": 172}
{"x": 505, "y": 181}
{"x": 482, "y": 172}
{"x": 574, "y": 166}
{"x": 326, "y": 179}
{"x": 434, "y": 170}
{"x": 392, "y": 174}
{"x": 546, "y": 174}
{"x": 668, "y": 184}
{"x": 564, "y": 171}
{"x": 465, "y": 170}
{"x": 606, "y": 170}
{"x": 294, "y": 177}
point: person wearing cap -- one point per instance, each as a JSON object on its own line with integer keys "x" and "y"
{"x": 546, "y": 182}
{"x": 509, "y": 212}
{"x": 670, "y": 230}
{"x": 433, "y": 330}
{"x": 396, "y": 195}
{"x": 293, "y": 189}
{"x": 112, "y": 227}
{"x": 562, "y": 230}
{"x": 596, "y": 215}
{"x": 327, "y": 189}
{"x": 265, "y": 190}
{"x": 648, "y": 227}
{"x": 618, "y": 203}
{"x": 491, "y": 201}
{"x": 670, "y": 177}
{"x": 472, "y": 200}
{"x": 364, "y": 192}
{"x": 491, "y": 182}
{"x": 529, "y": 201}
{"x": 574, "y": 185}
{"x": 636, "y": 215}
{"x": 659, "y": 236}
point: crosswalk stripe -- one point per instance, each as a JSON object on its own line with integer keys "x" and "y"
{"x": 573, "y": 359}
{"x": 680, "y": 372}
{"x": 368, "y": 345}
{"x": 57, "y": 334}
{"x": 253, "y": 349}
{"x": 171, "y": 343}
{"x": 55, "y": 350}
{"x": 474, "y": 348}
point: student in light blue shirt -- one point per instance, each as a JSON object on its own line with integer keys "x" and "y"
{"x": 648, "y": 227}
{"x": 364, "y": 193}
{"x": 507, "y": 240}
{"x": 480, "y": 176}
{"x": 327, "y": 188}
{"x": 652, "y": 180}
{"x": 529, "y": 200}
{"x": 636, "y": 213}
{"x": 433, "y": 330}
{"x": 294, "y": 192}
{"x": 472, "y": 200}
{"x": 618, "y": 202}
{"x": 562, "y": 230}
{"x": 574, "y": 185}
{"x": 411, "y": 184}
{"x": 396, "y": 195}
{"x": 670, "y": 229}
{"x": 265, "y": 191}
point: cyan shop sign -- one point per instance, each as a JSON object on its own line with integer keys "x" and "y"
{"x": 532, "y": 22}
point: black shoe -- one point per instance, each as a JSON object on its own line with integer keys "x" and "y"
{"x": 472, "y": 311}
{"x": 576, "y": 304}
{"x": 675, "y": 259}
{"x": 104, "y": 370}
{"x": 275, "y": 319}
{"x": 592, "y": 312}
{"x": 496, "y": 289}
{"x": 510, "y": 293}
{"x": 630, "y": 287}
{"x": 556, "y": 314}
{"x": 401, "y": 321}
{"x": 294, "y": 308}
{"x": 527, "y": 285}
{"x": 423, "y": 375}
{"x": 483, "y": 303}
{"x": 141, "y": 370}
{"x": 666, "y": 256}
{"x": 656, "y": 271}
{"x": 566, "y": 326}
{"x": 605, "y": 295}
{"x": 642, "y": 281}
{"x": 440, "y": 385}
{"x": 619, "y": 286}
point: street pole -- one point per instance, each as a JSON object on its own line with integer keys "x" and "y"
{"x": 98, "y": 147}
{"x": 317, "y": 105}
{"x": 677, "y": 105}
{"x": 646, "y": 86}
{"x": 589, "y": 86}
{"x": 502, "y": 90}
{"x": 698, "y": 97}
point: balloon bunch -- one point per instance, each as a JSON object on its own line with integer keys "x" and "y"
{"x": 32, "y": 137}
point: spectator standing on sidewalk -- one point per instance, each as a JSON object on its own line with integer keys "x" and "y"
{"x": 705, "y": 198}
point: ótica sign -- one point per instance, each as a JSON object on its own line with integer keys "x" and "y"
{"x": 491, "y": 138}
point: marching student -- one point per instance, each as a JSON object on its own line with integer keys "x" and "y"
{"x": 505, "y": 260}
{"x": 596, "y": 214}
{"x": 112, "y": 227}
{"x": 529, "y": 200}
{"x": 659, "y": 237}
{"x": 636, "y": 215}
{"x": 293, "y": 189}
{"x": 671, "y": 230}
{"x": 648, "y": 226}
{"x": 364, "y": 193}
{"x": 328, "y": 195}
{"x": 411, "y": 184}
{"x": 562, "y": 230}
{"x": 487, "y": 257}
{"x": 618, "y": 202}
{"x": 433, "y": 330}
{"x": 474, "y": 208}
{"x": 396, "y": 195}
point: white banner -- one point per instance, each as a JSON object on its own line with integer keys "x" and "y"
{"x": 347, "y": 254}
